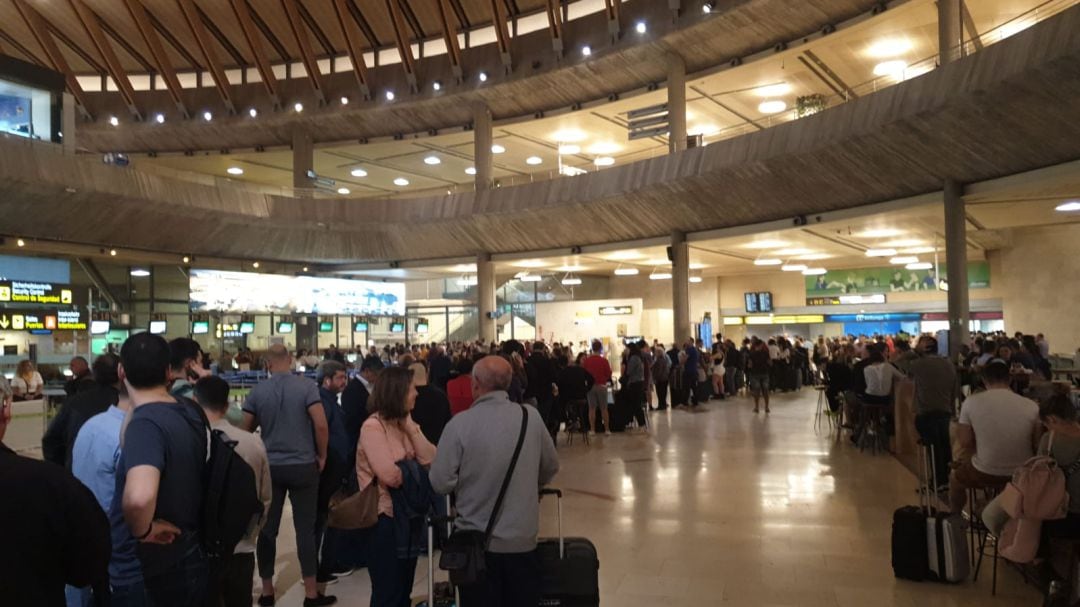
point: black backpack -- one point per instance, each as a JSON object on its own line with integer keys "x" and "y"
{"x": 230, "y": 495}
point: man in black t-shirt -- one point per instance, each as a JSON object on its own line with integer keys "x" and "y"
{"x": 160, "y": 476}
{"x": 759, "y": 364}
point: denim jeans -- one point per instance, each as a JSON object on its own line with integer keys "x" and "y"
{"x": 183, "y": 585}
{"x": 391, "y": 577}
{"x": 933, "y": 429}
{"x": 131, "y": 595}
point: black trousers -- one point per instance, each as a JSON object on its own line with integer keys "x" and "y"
{"x": 237, "y": 573}
{"x": 511, "y": 580}
{"x": 661, "y": 394}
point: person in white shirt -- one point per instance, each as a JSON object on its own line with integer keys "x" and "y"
{"x": 1003, "y": 430}
{"x": 880, "y": 376}
{"x": 27, "y": 383}
{"x": 232, "y": 582}
{"x": 1044, "y": 346}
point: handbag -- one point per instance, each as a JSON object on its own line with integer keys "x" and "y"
{"x": 356, "y": 510}
{"x": 463, "y": 552}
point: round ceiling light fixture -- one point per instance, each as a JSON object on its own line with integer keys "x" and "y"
{"x": 768, "y": 261}
{"x": 298, "y": 107}
{"x": 344, "y": 191}
{"x": 498, "y": 149}
{"x": 604, "y": 161}
{"x": 432, "y": 160}
{"x": 534, "y": 160}
{"x": 773, "y": 106}
{"x": 401, "y": 182}
{"x": 159, "y": 118}
{"x": 470, "y": 171}
{"x": 358, "y": 172}
{"x": 234, "y": 171}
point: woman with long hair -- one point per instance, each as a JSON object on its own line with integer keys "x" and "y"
{"x": 27, "y": 383}
{"x": 387, "y": 437}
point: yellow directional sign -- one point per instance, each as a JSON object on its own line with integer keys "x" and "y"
{"x": 17, "y": 322}
{"x": 5, "y": 293}
{"x": 4, "y": 322}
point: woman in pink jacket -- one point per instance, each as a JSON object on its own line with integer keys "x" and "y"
{"x": 388, "y": 436}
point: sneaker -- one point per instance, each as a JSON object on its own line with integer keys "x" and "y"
{"x": 326, "y": 579}
{"x": 320, "y": 600}
{"x": 591, "y": 433}
{"x": 346, "y": 572}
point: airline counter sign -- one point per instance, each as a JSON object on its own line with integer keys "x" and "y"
{"x": 28, "y": 292}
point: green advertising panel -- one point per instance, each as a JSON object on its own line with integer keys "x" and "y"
{"x": 890, "y": 280}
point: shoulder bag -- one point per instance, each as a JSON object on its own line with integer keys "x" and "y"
{"x": 463, "y": 553}
{"x": 358, "y": 509}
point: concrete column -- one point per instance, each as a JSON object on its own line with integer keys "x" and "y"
{"x": 950, "y": 30}
{"x": 680, "y": 287}
{"x": 956, "y": 266}
{"x": 67, "y": 123}
{"x": 303, "y": 155}
{"x": 485, "y": 295}
{"x": 482, "y": 147}
{"x": 676, "y": 90}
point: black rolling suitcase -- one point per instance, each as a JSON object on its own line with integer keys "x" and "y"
{"x": 569, "y": 567}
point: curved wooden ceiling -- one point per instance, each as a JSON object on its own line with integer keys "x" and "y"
{"x": 1008, "y": 109}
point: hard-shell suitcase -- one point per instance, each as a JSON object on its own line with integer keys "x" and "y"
{"x": 946, "y": 539}
{"x": 569, "y": 567}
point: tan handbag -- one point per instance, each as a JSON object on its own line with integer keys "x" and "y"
{"x": 358, "y": 510}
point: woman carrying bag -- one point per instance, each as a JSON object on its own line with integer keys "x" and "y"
{"x": 387, "y": 437}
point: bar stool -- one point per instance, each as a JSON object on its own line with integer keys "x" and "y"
{"x": 576, "y": 421}
{"x": 822, "y": 406}
{"x": 870, "y": 426}
{"x": 980, "y": 534}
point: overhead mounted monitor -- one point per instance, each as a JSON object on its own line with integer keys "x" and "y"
{"x": 397, "y": 327}
{"x": 360, "y": 327}
{"x": 284, "y": 327}
{"x": 247, "y": 326}
{"x": 245, "y": 292}
{"x": 421, "y": 327}
{"x": 158, "y": 327}
{"x": 326, "y": 327}
{"x": 99, "y": 327}
{"x": 751, "y": 302}
{"x": 200, "y": 327}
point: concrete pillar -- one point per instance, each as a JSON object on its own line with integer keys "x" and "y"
{"x": 956, "y": 266}
{"x": 676, "y": 90}
{"x": 950, "y": 30}
{"x": 482, "y": 147}
{"x": 485, "y": 296}
{"x": 303, "y": 155}
{"x": 680, "y": 287}
{"x": 67, "y": 123}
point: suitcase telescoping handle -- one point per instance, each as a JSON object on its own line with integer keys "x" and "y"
{"x": 433, "y": 520}
{"x": 558, "y": 501}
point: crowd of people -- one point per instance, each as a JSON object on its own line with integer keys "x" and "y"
{"x": 118, "y": 503}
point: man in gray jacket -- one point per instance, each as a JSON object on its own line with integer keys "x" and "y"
{"x": 474, "y": 455}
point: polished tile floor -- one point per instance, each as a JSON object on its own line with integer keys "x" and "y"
{"x": 722, "y": 506}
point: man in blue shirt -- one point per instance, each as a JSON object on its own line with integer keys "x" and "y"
{"x": 94, "y": 460}
{"x": 332, "y": 379}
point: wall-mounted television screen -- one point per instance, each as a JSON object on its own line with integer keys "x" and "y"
{"x": 158, "y": 327}
{"x": 99, "y": 327}
{"x": 360, "y": 327}
{"x": 200, "y": 327}
{"x": 247, "y": 326}
{"x": 326, "y": 327}
{"x": 284, "y": 327}
{"x": 397, "y": 327}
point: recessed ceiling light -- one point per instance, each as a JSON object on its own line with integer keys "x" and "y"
{"x": 389, "y": 95}
{"x": 889, "y": 47}
{"x": 534, "y": 160}
{"x": 344, "y": 191}
{"x": 497, "y": 149}
{"x": 432, "y": 160}
{"x": 483, "y": 76}
{"x": 707, "y": 8}
{"x": 773, "y": 106}
{"x": 234, "y": 171}
{"x": 794, "y": 267}
{"x": 159, "y": 118}
{"x": 626, "y": 271}
{"x": 112, "y": 252}
{"x": 814, "y": 271}
{"x": 695, "y": 279}
{"x": 253, "y": 112}
{"x": 344, "y": 100}
{"x": 186, "y": 259}
{"x": 922, "y": 265}
{"x": 570, "y": 149}
{"x": 140, "y": 272}
{"x": 255, "y": 264}
{"x": 641, "y": 28}
{"x": 1068, "y": 207}
{"x": 113, "y": 120}
{"x": 604, "y": 161}
{"x": 358, "y": 173}
{"x": 586, "y": 50}
{"x": 401, "y": 182}
{"x": 768, "y": 261}
{"x": 207, "y": 116}
{"x": 880, "y": 252}
{"x": 879, "y": 233}
{"x": 305, "y": 269}
{"x": 470, "y": 171}
{"x": 773, "y": 90}
{"x": 436, "y": 85}
{"x": 894, "y": 68}
{"x": 20, "y": 242}
{"x": 903, "y": 260}
{"x": 568, "y": 135}
{"x": 299, "y": 107}
{"x": 766, "y": 244}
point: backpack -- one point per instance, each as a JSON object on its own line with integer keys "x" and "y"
{"x": 1037, "y": 491}
{"x": 230, "y": 495}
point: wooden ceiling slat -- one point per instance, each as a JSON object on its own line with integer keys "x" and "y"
{"x": 223, "y": 24}
{"x": 277, "y": 25}
{"x": 324, "y": 17}
{"x": 292, "y": 12}
{"x": 268, "y": 33}
{"x": 453, "y": 49}
{"x": 350, "y": 31}
{"x": 126, "y": 44}
{"x": 410, "y": 18}
{"x": 40, "y": 31}
{"x": 374, "y": 40}
{"x": 195, "y": 23}
{"x": 153, "y": 42}
{"x": 403, "y": 46}
{"x": 93, "y": 29}
{"x": 329, "y": 50}
{"x": 251, "y": 35}
{"x": 27, "y": 54}
{"x": 502, "y": 33}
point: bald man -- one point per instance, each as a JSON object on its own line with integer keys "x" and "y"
{"x": 289, "y": 410}
{"x": 474, "y": 455}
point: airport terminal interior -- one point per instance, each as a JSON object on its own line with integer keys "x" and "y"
{"x": 807, "y": 240}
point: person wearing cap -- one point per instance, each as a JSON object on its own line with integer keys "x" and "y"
{"x": 1003, "y": 430}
